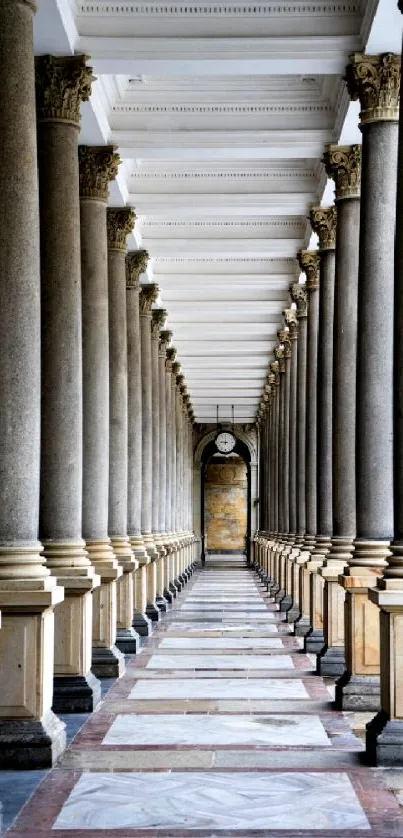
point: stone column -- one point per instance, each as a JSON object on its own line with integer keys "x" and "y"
{"x": 136, "y": 264}
{"x": 309, "y": 263}
{"x": 275, "y": 370}
{"x": 98, "y": 165}
{"x": 148, "y": 296}
{"x": 178, "y": 452}
{"x": 286, "y": 601}
{"x": 171, "y": 354}
{"x": 291, "y": 319}
{"x": 375, "y": 80}
{"x": 165, "y": 338}
{"x": 120, "y": 223}
{"x": 158, "y": 317}
{"x": 385, "y": 732}
{"x": 279, "y": 355}
{"x": 61, "y": 85}
{"x": 323, "y": 222}
{"x": 299, "y": 587}
{"x": 343, "y": 164}
{"x": 31, "y": 735}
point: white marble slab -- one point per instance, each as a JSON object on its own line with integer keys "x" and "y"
{"x": 220, "y": 662}
{"x": 220, "y": 689}
{"x": 213, "y": 800}
{"x": 179, "y": 729}
{"x": 223, "y": 627}
{"x": 229, "y": 606}
{"x": 221, "y": 643}
{"x": 257, "y": 616}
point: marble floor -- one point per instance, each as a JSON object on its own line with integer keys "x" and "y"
{"x": 219, "y": 727}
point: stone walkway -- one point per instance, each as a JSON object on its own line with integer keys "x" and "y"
{"x": 218, "y": 728}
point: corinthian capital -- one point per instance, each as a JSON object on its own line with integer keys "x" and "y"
{"x": 279, "y": 355}
{"x": 323, "y": 223}
{"x": 291, "y": 320}
{"x": 120, "y": 223}
{"x": 171, "y": 355}
{"x": 375, "y": 81}
{"x": 275, "y": 369}
{"x": 284, "y": 338}
{"x": 299, "y": 297}
{"x": 309, "y": 263}
{"x": 136, "y": 264}
{"x": 98, "y": 166}
{"x": 158, "y": 318}
{"x": 61, "y": 85}
{"x": 148, "y": 296}
{"x": 176, "y": 368}
{"x": 343, "y": 164}
{"x": 165, "y": 339}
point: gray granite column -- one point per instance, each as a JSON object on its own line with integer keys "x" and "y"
{"x": 136, "y": 264}
{"x": 286, "y": 601}
{"x": 171, "y": 466}
{"x": 31, "y": 735}
{"x": 279, "y": 355}
{"x": 291, "y": 319}
{"x": 359, "y": 687}
{"x": 165, "y": 338}
{"x": 61, "y": 85}
{"x": 148, "y": 296}
{"x": 323, "y": 222}
{"x": 275, "y": 370}
{"x": 177, "y": 466}
{"x": 300, "y": 298}
{"x": 343, "y": 164}
{"x": 120, "y": 223}
{"x": 98, "y": 165}
{"x": 158, "y": 317}
{"x": 385, "y": 733}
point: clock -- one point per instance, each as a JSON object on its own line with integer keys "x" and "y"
{"x": 225, "y": 442}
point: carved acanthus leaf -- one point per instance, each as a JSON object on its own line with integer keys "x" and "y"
{"x": 309, "y": 263}
{"x": 324, "y": 222}
{"x": 275, "y": 368}
{"x": 375, "y": 81}
{"x": 98, "y": 166}
{"x": 343, "y": 164}
{"x": 61, "y": 85}
{"x": 158, "y": 319}
{"x": 136, "y": 264}
{"x": 284, "y": 338}
{"x": 148, "y": 295}
{"x": 171, "y": 355}
{"x": 176, "y": 368}
{"x": 119, "y": 223}
{"x": 300, "y": 298}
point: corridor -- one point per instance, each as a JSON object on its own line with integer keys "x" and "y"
{"x": 218, "y": 727}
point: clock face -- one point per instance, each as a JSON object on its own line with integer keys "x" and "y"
{"x": 225, "y": 442}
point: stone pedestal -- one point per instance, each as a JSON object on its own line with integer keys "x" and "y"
{"x": 30, "y": 734}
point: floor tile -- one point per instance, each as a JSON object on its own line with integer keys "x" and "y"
{"x": 220, "y": 662}
{"x": 221, "y": 643}
{"x": 248, "y": 688}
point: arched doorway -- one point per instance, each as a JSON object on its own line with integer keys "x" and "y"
{"x": 220, "y": 488}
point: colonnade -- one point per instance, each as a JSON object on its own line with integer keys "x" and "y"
{"x": 331, "y": 427}
{"x": 95, "y": 420}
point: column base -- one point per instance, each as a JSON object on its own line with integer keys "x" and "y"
{"x": 162, "y": 604}
{"x": 331, "y": 661}
{"x": 178, "y": 584}
{"x": 127, "y": 641}
{"x": 302, "y": 627}
{"x": 384, "y": 741}
{"x": 107, "y": 662}
{"x": 29, "y": 743}
{"x": 76, "y": 693}
{"x": 314, "y": 641}
{"x": 169, "y": 596}
{"x": 174, "y": 589}
{"x": 293, "y": 614}
{"x": 286, "y": 603}
{"x": 152, "y": 612}
{"x": 142, "y": 624}
{"x": 279, "y": 596}
{"x": 358, "y": 692}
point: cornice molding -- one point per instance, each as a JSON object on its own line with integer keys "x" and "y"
{"x": 221, "y": 109}
{"x": 232, "y": 8}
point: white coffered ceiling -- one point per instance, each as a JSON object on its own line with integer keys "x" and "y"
{"x": 220, "y": 110}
